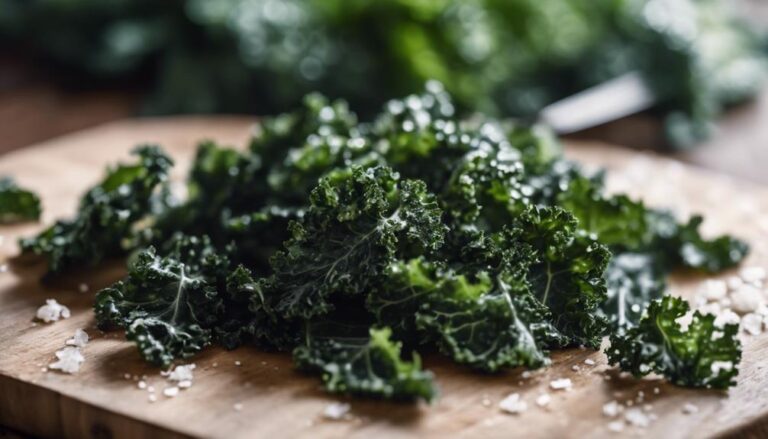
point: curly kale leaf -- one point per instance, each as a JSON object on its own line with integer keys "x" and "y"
{"x": 703, "y": 355}
{"x": 108, "y": 213}
{"x": 17, "y": 204}
{"x": 633, "y": 281}
{"x": 567, "y": 274}
{"x": 369, "y": 366}
{"x": 359, "y": 221}
{"x": 709, "y": 255}
{"x": 485, "y": 320}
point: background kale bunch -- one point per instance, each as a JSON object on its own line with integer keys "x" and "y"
{"x": 348, "y": 243}
{"x": 16, "y": 203}
{"x": 510, "y": 57}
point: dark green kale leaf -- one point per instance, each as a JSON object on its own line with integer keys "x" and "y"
{"x": 708, "y": 255}
{"x": 370, "y": 366}
{"x": 168, "y": 305}
{"x": 17, "y": 204}
{"x": 633, "y": 281}
{"x": 703, "y": 355}
{"x": 567, "y": 274}
{"x": 107, "y": 216}
{"x": 359, "y": 221}
{"x": 486, "y": 319}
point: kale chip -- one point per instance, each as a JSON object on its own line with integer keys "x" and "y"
{"x": 701, "y": 355}
{"x": 17, "y": 204}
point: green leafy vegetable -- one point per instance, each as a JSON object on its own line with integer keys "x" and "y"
{"x": 108, "y": 212}
{"x": 702, "y": 355}
{"x": 368, "y": 366}
{"x": 346, "y": 242}
{"x": 17, "y": 204}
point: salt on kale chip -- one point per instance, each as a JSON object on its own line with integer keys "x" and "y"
{"x": 701, "y": 355}
{"x": 17, "y": 204}
{"x": 358, "y": 222}
{"x": 370, "y": 365}
{"x": 104, "y": 225}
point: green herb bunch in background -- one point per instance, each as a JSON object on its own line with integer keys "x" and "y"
{"x": 501, "y": 57}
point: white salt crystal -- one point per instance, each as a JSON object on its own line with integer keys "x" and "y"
{"x": 690, "y": 409}
{"x": 543, "y": 400}
{"x": 141, "y": 385}
{"x": 69, "y": 360}
{"x": 185, "y": 384}
{"x": 80, "y": 339}
{"x": 238, "y": 406}
{"x": 713, "y": 290}
{"x": 561, "y": 384}
{"x": 637, "y": 418}
{"x": 746, "y": 299}
{"x": 753, "y": 274}
{"x": 727, "y": 317}
{"x": 612, "y": 409}
{"x": 336, "y": 411}
{"x": 717, "y": 366}
{"x": 182, "y": 372}
{"x": 589, "y": 362}
{"x": 171, "y": 392}
{"x": 513, "y": 404}
{"x": 52, "y": 311}
{"x": 734, "y": 283}
{"x": 616, "y": 426}
{"x": 752, "y": 324}
{"x": 152, "y": 397}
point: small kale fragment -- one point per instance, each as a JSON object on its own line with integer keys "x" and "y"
{"x": 369, "y": 366}
{"x": 703, "y": 355}
{"x": 108, "y": 212}
{"x": 17, "y": 204}
{"x": 633, "y": 281}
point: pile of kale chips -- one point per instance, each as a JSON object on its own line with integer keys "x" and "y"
{"x": 355, "y": 244}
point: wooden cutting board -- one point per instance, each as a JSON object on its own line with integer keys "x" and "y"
{"x": 275, "y": 400}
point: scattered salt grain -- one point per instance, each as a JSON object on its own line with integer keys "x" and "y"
{"x": 575, "y": 368}
{"x": 637, "y": 418}
{"x": 561, "y": 384}
{"x": 69, "y": 360}
{"x": 151, "y": 389}
{"x": 612, "y": 409}
{"x": 656, "y": 391}
{"x": 690, "y": 409}
{"x": 513, "y": 404}
{"x": 3, "y": 268}
{"x": 127, "y": 376}
{"x": 238, "y": 363}
{"x": 182, "y": 372}
{"x": 52, "y": 311}
{"x": 727, "y": 317}
{"x": 170, "y": 392}
{"x": 336, "y": 411}
{"x": 80, "y": 339}
{"x": 616, "y": 426}
{"x": 486, "y": 402}
{"x": 543, "y": 400}
{"x": 589, "y": 362}
{"x": 526, "y": 374}
{"x": 185, "y": 384}
{"x": 752, "y": 324}
{"x": 734, "y": 283}
{"x": 713, "y": 290}
{"x": 141, "y": 385}
{"x": 753, "y": 274}
{"x": 152, "y": 397}
{"x": 83, "y": 288}
{"x": 746, "y": 299}
{"x": 238, "y": 406}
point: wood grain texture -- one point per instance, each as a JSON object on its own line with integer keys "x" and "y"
{"x": 277, "y": 401}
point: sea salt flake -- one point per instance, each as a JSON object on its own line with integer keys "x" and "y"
{"x": 141, "y": 385}
{"x": 752, "y": 324}
{"x": 734, "y": 283}
{"x": 185, "y": 384}
{"x": 690, "y": 409}
{"x": 152, "y": 397}
{"x": 52, "y": 311}
{"x": 238, "y": 406}
{"x": 171, "y": 392}
{"x": 753, "y": 274}
{"x": 336, "y": 411}
{"x": 616, "y": 426}
{"x": 69, "y": 360}
{"x": 612, "y": 409}
{"x": 182, "y": 372}
{"x": 637, "y": 418}
{"x": 746, "y": 299}
{"x": 713, "y": 290}
{"x": 727, "y": 317}
{"x": 80, "y": 339}
{"x": 543, "y": 400}
{"x": 561, "y": 384}
{"x": 589, "y": 362}
{"x": 513, "y": 404}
